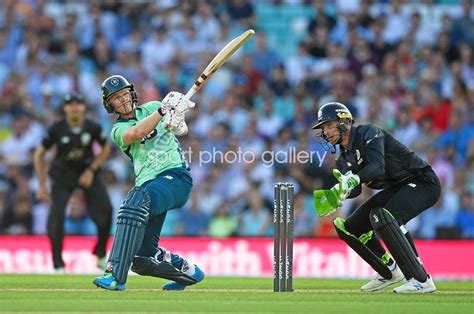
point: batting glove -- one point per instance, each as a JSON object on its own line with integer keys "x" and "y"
{"x": 177, "y": 102}
{"x": 174, "y": 121}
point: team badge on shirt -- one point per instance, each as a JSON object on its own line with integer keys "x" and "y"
{"x": 85, "y": 138}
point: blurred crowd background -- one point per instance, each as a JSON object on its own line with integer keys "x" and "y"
{"x": 405, "y": 66}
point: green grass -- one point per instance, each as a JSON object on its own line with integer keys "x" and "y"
{"x": 72, "y": 293}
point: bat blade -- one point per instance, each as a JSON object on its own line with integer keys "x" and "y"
{"x": 222, "y": 56}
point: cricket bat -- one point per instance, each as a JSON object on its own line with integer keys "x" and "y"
{"x": 219, "y": 60}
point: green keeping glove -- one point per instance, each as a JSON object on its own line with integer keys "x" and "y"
{"x": 326, "y": 202}
{"x": 346, "y": 181}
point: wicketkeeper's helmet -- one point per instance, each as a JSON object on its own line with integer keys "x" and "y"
{"x": 332, "y": 111}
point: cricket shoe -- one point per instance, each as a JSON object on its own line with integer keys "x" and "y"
{"x": 108, "y": 281}
{"x": 198, "y": 276}
{"x": 379, "y": 282}
{"x": 414, "y": 286}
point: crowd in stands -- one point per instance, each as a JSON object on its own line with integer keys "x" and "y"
{"x": 407, "y": 67}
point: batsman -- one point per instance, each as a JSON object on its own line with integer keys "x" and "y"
{"x": 370, "y": 155}
{"x": 147, "y": 135}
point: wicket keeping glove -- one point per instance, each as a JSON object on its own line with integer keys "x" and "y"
{"x": 346, "y": 182}
{"x": 177, "y": 102}
{"x": 327, "y": 202}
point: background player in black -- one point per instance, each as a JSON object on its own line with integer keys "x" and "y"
{"x": 370, "y": 155}
{"x": 74, "y": 166}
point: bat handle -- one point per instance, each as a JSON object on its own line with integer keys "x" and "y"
{"x": 190, "y": 93}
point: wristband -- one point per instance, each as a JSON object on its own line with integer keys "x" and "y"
{"x": 162, "y": 110}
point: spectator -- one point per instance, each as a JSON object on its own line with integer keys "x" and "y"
{"x": 420, "y": 30}
{"x": 407, "y": 130}
{"x": 222, "y": 225}
{"x": 25, "y": 136}
{"x": 396, "y": 21}
{"x": 268, "y": 124}
{"x": 458, "y": 135}
{"x": 160, "y": 40}
{"x": 193, "y": 222}
{"x": 264, "y": 57}
{"x": 441, "y": 215}
{"x": 443, "y": 169}
{"x": 436, "y": 109}
{"x": 465, "y": 217}
{"x": 77, "y": 221}
{"x": 241, "y": 11}
{"x": 255, "y": 220}
{"x": 18, "y": 221}
{"x": 426, "y": 137}
{"x": 463, "y": 26}
{"x": 209, "y": 201}
{"x": 303, "y": 217}
{"x": 206, "y": 22}
{"x": 278, "y": 83}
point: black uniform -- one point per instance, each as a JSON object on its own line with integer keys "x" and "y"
{"x": 74, "y": 155}
{"x": 409, "y": 185}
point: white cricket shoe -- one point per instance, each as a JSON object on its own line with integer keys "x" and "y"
{"x": 379, "y": 282}
{"x": 414, "y": 286}
{"x": 59, "y": 271}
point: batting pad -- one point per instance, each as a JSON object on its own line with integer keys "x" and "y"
{"x": 149, "y": 266}
{"x": 390, "y": 232}
{"x": 131, "y": 222}
{"x": 361, "y": 249}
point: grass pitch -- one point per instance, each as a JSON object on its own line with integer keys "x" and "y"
{"x": 73, "y": 293}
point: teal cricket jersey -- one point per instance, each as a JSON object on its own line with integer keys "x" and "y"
{"x": 157, "y": 152}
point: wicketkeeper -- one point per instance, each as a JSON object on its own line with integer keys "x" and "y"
{"x": 370, "y": 155}
{"x": 147, "y": 135}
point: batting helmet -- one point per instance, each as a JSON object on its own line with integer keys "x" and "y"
{"x": 113, "y": 84}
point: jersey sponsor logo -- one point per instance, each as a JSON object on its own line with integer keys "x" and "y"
{"x": 152, "y": 134}
{"x": 370, "y": 140}
{"x": 417, "y": 285}
{"x": 75, "y": 154}
{"x": 344, "y": 116}
{"x": 359, "y": 160}
{"x": 413, "y": 185}
{"x": 349, "y": 164}
{"x": 85, "y": 138}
